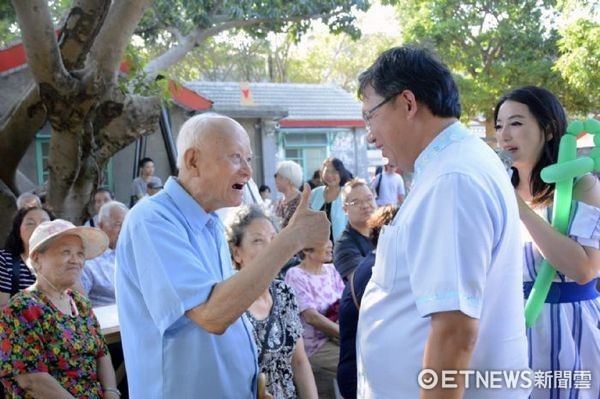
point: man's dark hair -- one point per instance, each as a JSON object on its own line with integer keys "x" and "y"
{"x": 264, "y": 188}
{"x": 415, "y": 69}
{"x": 105, "y": 190}
{"x": 552, "y": 120}
{"x": 144, "y": 161}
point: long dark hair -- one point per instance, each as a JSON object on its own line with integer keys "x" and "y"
{"x": 338, "y": 165}
{"x": 14, "y": 243}
{"x": 552, "y": 119}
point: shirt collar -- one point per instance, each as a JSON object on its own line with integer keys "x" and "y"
{"x": 449, "y": 135}
{"x": 194, "y": 214}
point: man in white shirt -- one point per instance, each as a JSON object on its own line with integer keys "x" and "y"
{"x": 389, "y": 186}
{"x": 98, "y": 275}
{"x": 446, "y": 291}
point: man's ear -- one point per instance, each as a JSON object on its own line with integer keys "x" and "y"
{"x": 191, "y": 159}
{"x": 409, "y": 102}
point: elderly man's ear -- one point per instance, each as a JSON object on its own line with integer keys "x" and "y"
{"x": 191, "y": 158}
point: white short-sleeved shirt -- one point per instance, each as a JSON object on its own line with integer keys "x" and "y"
{"x": 454, "y": 245}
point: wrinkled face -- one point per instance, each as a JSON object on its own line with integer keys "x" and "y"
{"x": 32, "y": 219}
{"x": 148, "y": 169}
{"x": 281, "y": 182}
{"x": 257, "y": 236}
{"x": 62, "y": 261}
{"x": 389, "y": 130}
{"x": 224, "y": 168}
{"x": 359, "y": 205}
{"x": 330, "y": 175}
{"x": 519, "y": 133}
{"x": 112, "y": 226}
{"x": 322, "y": 254}
{"x": 101, "y": 198}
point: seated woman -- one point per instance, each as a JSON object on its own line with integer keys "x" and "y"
{"x": 318, "y": 286}
{"x": 55, "y": 348}
{"x": 274, "y": 315}
{"x": 350, "y": 304}
{"x": 14, "y": 273}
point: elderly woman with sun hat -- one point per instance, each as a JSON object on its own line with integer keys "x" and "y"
{"x": 50, "y": 340}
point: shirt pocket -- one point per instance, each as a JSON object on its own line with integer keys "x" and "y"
{"x": 386, "y": 258}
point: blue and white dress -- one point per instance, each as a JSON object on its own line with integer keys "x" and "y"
{"x": 565, "y": 340}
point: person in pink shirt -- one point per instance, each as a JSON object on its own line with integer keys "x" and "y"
{"x": 318, "y": 288}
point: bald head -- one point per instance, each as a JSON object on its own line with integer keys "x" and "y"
{"x": 215, "y": 160}
{"x": 204, "y": 131}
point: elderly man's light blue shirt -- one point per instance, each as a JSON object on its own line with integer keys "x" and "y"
{"x": 170, "y": 255}
{"x": 98, "y": 279}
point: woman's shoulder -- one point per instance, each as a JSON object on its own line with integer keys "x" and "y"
{"x": 587, "y": 190}
{"x": 25, "y": 301}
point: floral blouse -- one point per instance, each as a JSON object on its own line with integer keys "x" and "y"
{"x": 285, "y": 211}
{"x": 285, "y": 330}
{"x": 36, "y": 337}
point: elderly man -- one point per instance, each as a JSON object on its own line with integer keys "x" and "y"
{"x": 180, "y": 306}
{"x": 354, "y": 243}
{"x": 446, "y": 290}
{"x": 98, "y": 276}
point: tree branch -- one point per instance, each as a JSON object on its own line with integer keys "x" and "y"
{"x": 17, "y": 131}
{"x": 108, "y": 49}
{"x": 42, "y": 51}
{"x": 80, "y": 29}
{"x": 198, "y": 35}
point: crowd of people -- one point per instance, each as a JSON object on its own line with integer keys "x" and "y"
{"x": 334, "y": 288}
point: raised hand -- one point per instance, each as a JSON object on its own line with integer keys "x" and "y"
{"x": 310, "y": 227}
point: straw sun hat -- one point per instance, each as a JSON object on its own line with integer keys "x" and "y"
{"x": 94, "y": 240}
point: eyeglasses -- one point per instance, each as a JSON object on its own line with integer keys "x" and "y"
{"x": 360, "y": 203}
{"x": 367, "y": 116}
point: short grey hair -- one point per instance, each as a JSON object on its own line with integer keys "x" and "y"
{"x": 239, "y": 220}
{"x": 291, "y": 171}
{"x": 105, "y": 210}
{"x": 355, "y": 182}
{"x": 191, "y": 131}
{"x": 25, "y": 198}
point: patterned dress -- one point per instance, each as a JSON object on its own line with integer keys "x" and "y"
{"x": 565, "y": 339}
{"x": 285, "y": 330}
{"x": 36, "y": 337}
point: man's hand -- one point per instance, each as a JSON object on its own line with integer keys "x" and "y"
{"x": 310, "y": 227}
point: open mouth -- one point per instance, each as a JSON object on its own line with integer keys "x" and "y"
{"x": 237, "y": 186}
{"x": 510, "y": 149}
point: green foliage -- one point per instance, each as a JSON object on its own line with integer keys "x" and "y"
{"x": 337, "y": 59}
{"x": 136, "y": 80}
{"x": 492, "y": 46}
{"x": 579, "y": 62}
{"x": 9, "y": 29}
{"x": 186, "y": 15}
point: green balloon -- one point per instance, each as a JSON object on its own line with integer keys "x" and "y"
{"x": 563, "y": 173}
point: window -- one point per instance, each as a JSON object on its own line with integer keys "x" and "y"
{"x": 42, "y": 149}
{"x": 307, "y": 149}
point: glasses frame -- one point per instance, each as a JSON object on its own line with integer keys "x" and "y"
{"x": 360, "y": 203}
{"x": 368, "y": 115}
